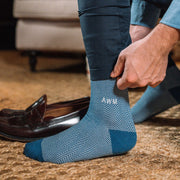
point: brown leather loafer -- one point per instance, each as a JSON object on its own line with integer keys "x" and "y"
{"x": 43, "y": 99}
{"x": 41, "y": 120}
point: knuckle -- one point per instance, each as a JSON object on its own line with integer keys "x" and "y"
{"x": 131, "y": 79}
{"x": 121, "y": 54}
{"x": 119, "y": 86}
{"x": 142, "y": 84}
{"x": 155, "y": 83}
{"x": 152, "y": 85}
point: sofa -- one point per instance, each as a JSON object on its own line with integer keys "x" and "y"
{"x": 47, "y": 25}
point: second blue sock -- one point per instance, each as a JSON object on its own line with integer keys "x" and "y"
{"x": 161, "y": 98}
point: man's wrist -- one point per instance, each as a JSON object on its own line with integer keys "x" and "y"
{"x": 164, "y": 37}
{"x": 138, "y": 32}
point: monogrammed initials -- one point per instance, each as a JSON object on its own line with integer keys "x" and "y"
{"x": 109, "y": 101}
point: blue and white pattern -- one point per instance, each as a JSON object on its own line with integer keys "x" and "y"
{"x": 107, "y": 129}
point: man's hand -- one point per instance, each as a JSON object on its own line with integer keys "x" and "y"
{"x": 145, "y": 61}
{"x": 138, "y": 32}
{"x": 141, "y": 65}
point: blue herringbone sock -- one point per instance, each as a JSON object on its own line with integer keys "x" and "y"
{"x": 159, "y": 99}
{"x": 107, "y": 129}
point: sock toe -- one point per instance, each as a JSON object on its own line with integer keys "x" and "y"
{"x": 33, "y": 150}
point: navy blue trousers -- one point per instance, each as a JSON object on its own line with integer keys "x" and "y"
{"x": 105, "y": 29}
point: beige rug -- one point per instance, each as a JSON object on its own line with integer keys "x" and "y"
{"x": 156, "y": 155}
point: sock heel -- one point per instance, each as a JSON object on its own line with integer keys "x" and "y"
{"x": 122, "y": 141}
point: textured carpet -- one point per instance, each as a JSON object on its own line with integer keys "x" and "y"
{"x": 156, "y": 155}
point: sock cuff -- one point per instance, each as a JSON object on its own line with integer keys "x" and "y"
{"x": 101, "y": 74}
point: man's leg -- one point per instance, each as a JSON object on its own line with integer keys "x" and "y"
{"x": 161, "y": 98}
{"x": 107, "y": 128}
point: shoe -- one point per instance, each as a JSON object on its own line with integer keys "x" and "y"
{"x": 41, "y": 120}
{"x": 43, "y": 99}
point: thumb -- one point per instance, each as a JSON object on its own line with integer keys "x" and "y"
{"x": 119, "y": 67}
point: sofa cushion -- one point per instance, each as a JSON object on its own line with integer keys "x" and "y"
{"x": 49, "y": 35}
{"x": 46, "y": 9}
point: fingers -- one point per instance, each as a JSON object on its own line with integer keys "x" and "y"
{"x": 153, "y": 85}
{"x": 122, "y": 83}
{"x": 157, "y": 82}
{"x": 119, "y": 67}
{"x": 137, "y": 71}
{"x": 160, "y": 75}
{"x": 128, "y": 79}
